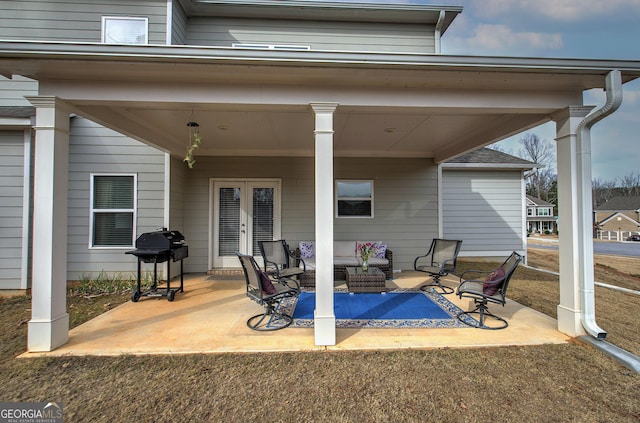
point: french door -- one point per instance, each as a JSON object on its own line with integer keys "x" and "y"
{"x": 244, "y": 212}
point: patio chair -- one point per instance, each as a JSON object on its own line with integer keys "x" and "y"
{"x": 439, "y": 261}
{"x": 491, "y": 289}
{"x": 261, "y": 290}
{"x": 279, "y": 263}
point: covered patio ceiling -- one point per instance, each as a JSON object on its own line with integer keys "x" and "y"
{"x": 255, "y": 102}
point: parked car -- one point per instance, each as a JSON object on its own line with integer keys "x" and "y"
{"x": 635, "y": 237}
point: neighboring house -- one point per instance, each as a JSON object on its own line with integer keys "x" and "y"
{"x": 540, "y": 217}
{"x": 618, "y": 218}
{"x": 292, "y": 99}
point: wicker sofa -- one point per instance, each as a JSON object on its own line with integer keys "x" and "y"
{"x": 344, "y": 254}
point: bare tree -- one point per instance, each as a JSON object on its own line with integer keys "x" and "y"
{"x": 538, "y": 151}
{"x": 630, "y": 184}
{"x": 501, "y": 148}
{"x": 602, "y": 191}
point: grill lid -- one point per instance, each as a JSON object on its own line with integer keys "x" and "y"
{"x": 160, "y": 240}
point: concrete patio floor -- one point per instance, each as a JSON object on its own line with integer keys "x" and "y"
{"x": 210, "y": 317}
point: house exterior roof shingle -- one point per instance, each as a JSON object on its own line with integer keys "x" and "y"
{"x": 538, "y": 202}
{"x": 621, "y": 204}
{"x": 486, "y": 157}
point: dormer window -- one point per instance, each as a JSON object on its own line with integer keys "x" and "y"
{"x": 124, "y": 30}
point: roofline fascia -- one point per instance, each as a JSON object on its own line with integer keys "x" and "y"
{"x": 332, "y": 5}
{"x": 485, "y": 166}
{"x": 619, "y": 213}
{"x": 162, "y": 53}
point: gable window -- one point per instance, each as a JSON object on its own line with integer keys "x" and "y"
{"x": 113, "y": 199}
{"x": 354, "y": 198}
{"x": 124, "y": 30}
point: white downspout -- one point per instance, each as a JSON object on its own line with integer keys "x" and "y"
{"x": 438, "y": 33}
{"x": 613, "y": 87}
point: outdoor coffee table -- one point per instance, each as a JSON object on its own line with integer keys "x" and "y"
{"x": 370, "y": 280}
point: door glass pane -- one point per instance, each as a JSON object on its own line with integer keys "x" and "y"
{"x": 262, "y": 217}
{"x": 229, "y": 230}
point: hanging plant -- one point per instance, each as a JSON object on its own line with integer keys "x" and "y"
{"x": 194, "y": 142}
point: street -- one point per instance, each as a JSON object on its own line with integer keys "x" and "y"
{"x": 627, "y": 248}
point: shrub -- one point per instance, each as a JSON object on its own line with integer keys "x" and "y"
{"x": 104, "y": 284}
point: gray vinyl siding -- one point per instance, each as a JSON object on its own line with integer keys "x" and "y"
{"x": 75, "y": 20}
{"x": 13, "y": 91}
{"x": 178, "y": 24}
{"x": 405, "y": 201}
{"x": 484, "y": 209}
{"x": 318, "y": 35}
{"x": 95, "y": 149}
{"x": 11, "y": 208}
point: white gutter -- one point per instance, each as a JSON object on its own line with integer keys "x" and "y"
{"x": 613, "y": 87}
{"x": 438, "y": 34}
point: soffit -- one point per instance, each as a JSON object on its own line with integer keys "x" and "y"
{"x": 311, "y": 10}
{"x": 388, "y": 105}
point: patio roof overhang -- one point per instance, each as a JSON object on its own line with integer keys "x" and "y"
{"x": 256, "y": 102}
{"x": 274, "y": 102}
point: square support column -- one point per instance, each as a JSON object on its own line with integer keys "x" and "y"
{"x": 570, "y": 235}
{"x": 49, "y": 324}
{"x": 324, "y": 314}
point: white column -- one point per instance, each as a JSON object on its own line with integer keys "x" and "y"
{"x": 568, "y": 216}
{"x": 49, "y": 324}
{"x": 324, "y": 315}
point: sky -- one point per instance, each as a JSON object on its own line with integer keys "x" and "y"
{"x": 584, "y": 29}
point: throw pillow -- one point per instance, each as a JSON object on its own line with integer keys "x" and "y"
{"x": 267, "y": 285}
{"x": 493, "y": 282}
{"x": 306, "y": 249}
{"x": 380, "y": 250}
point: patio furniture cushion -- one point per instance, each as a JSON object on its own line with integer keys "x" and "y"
{"x": 375, "y": 261}
{"x": 267, "y": 285}
{"x": 345, "y": 261}
{"x": 493, "y": 281}
{"x": 380, "y": 250}
{"x": 344, "y": 248}
{"x": 307, "y": 250}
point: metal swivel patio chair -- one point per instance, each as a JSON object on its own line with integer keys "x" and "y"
{"x": 491, "y": 289}
{"x": 439, "y": 261}
{"x": 261, "y": 290}
{"x": 279, "y": 262}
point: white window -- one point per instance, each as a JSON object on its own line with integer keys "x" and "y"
{"x": 544, "y": 212}
{"x": 354, "y": 198}
{"x": 113, "y": 212}
{"x": 529, "y": 211}
{"x": 124, "y": 30}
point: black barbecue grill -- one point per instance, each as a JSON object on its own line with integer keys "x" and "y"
{"x": 158, "y": 247}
